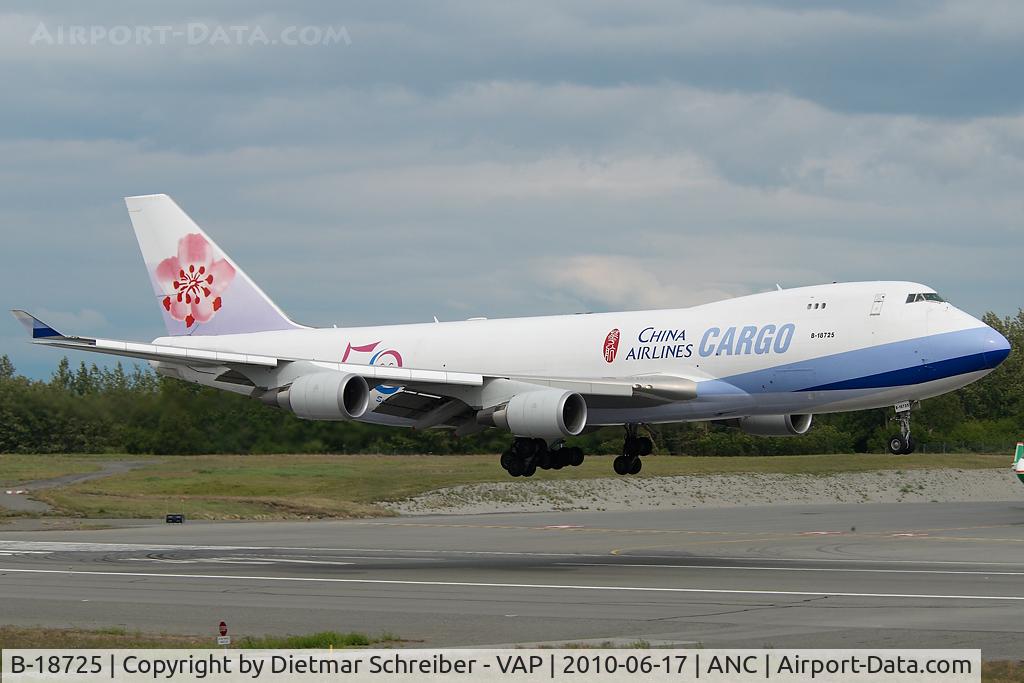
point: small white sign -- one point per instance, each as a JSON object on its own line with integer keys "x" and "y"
{"x": 224, "y": 640}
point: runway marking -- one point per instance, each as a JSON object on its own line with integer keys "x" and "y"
{"x": 973, "y": 539}
{"x": 474, "y": 584}
{"x": 559, "y": 527}
{"x": 787, "y": 569}
{"x": 15, "y": 547}
{"x": 241, "y": 559}
{"x": 8, "y": 553}
{"x": 67, "y": 546}
{"x": 882, "y": 533}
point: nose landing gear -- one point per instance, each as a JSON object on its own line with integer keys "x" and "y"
{"x": 902, "y": 443}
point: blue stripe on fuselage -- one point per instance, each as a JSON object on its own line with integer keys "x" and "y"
{"x": 887, "y": 365}
{"x": 913, "y": 375}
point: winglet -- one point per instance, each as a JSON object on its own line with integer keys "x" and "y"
{"x": 36, "y": 327}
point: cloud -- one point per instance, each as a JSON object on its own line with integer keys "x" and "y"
{"x": 84, "y": 321}
{"x": 629, "y": 282}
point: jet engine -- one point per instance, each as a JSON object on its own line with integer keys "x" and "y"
{"x": 326, "y": 396}
{"x": 776, "y": 425}
{"x": 545, "y": 413}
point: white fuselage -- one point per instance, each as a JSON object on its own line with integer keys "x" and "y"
{"x": 825, "y": 348}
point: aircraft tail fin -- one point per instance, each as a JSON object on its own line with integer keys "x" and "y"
{"x": 199, "y": 289}
{"x": 1018, "y": 461}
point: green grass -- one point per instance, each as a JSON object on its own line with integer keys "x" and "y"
{"x": 16, "y": 468}
{"x": 322, "y": 640}
{"x": 1002, "y": 672}
{"x": 299, "y": 486}
{"x": 40, "y": 637}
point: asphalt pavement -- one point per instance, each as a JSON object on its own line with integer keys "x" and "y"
{"x": 892, "y": 575}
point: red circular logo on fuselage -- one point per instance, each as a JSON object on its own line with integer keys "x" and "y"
{"x": 611, "y": 345}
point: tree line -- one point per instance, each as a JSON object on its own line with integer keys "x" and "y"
{"x": 106, "y": 410}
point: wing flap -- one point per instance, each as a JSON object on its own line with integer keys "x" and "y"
{"x": 658, "y": 387}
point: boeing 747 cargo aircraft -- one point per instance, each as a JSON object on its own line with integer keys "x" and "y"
{"x": 764, "y": 363}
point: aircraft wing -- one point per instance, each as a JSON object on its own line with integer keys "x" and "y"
{"x": 46, "y": 335}
{"x": 649, "y": 387}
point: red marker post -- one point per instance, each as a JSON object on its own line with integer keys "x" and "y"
{"x": 223, "y": 639}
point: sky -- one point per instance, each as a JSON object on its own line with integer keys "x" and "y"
{"x": 369, "y": 162}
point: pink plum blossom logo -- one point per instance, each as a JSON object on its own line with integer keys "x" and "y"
{"x": 194, "y": 281}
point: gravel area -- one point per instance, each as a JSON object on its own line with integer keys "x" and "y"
{"x": 731, "y": 490}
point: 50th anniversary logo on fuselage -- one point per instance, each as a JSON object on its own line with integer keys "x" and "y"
{"x": 653, "y": 343}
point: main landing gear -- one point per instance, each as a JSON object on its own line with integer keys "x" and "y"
{"x": 526, "y": 456}
{"x": 902, "y": 443}
{"x": 632, "y": 448}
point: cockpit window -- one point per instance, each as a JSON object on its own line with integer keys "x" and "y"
{"x": 924, "y": 296}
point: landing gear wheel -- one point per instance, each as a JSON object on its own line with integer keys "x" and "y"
{"x": 517, "y": 468}
{"x": 904, "y": 443}
{"x": 635, "y": 465}
{"x": 622, "y": 464}
{"x": 644, "y": 446}
{"x": 526, "y": 456}
{"x": 543, "y": 460}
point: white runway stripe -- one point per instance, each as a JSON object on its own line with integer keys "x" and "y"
{"x": 526, "y": 586}
{"x": 62, "y": 546}
{"x": 787, "y": 569}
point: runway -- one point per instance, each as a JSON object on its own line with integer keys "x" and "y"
{"x": 899, "y": 575}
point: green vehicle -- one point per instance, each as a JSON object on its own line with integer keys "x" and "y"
{"x": 1018, "y": 462}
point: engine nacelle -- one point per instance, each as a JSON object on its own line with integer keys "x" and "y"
{"x": 326, "y": 396}
{"x": 776, "y": 425}
{"x": 545, "y": 413}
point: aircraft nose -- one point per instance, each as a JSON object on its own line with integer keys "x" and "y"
{"x": 996, "y": 348}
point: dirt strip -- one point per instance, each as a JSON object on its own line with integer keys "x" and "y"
{"x": 19, "y": 498}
